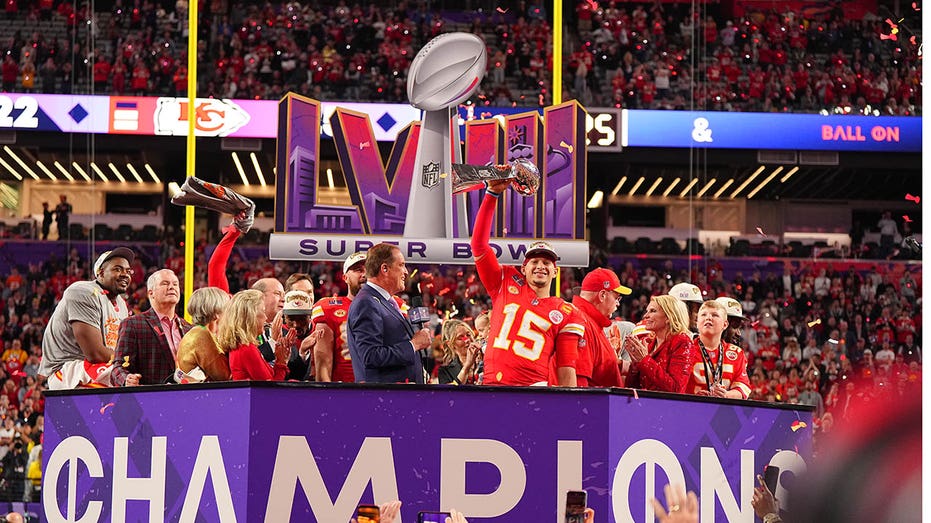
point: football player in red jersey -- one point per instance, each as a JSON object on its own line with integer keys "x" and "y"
{"x": 331, "y": 354}
{"x": 723, "y": 363}
{"x": 529, "y": 328}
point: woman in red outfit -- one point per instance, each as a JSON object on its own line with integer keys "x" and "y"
{"x": 239, "y": 329}
{"x": 662, "y": 363}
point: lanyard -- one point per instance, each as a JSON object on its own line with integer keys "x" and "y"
{"x": 716, "y": 370}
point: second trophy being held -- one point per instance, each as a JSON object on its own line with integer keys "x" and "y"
{"x": 523, "y": 173}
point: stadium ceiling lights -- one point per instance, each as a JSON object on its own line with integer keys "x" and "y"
{"x": 688, "y": 188}
{"x": 596, "y": 200}
{"x": 132, "y": 170}
{"x": 617, "y": 188}
{"x": 720, "y": 191}
{"x": 49, "y": 173}
{"x": 242, "y": 172}
{"x": 636, "y": 186}
{"x": 20, "y": 162}
{"x": 653, "y": 187}
{"x": 671, "y": 186}
{"x": 747, "y": 182}
{"x": 151, "y": 171}
{"x": 258, "y": 169}
{"x": 789, "y": 174}
{"x": 11, "y": 169}
{"x": 764, "y": 182}
{"x": 706, "y": 187}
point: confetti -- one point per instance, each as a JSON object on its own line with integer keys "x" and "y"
{"x": 915, "y": 6}
{"x": 832, "y": 341}
{"x": 912, "y": 40}
{"x": 104, "y": 408}
{"x": 798, "y": 425}
{"x": 363, "y": 145}
{"x": 505, "y": 231}
{"x": 906, "y": 218}
{"x": 566, "y": 146}
{"x": 813, "y": 323}
{"x": 444, "y": 175}
{"x": 498, "y": 376}
{"x": 502, "y": 11}
{"x": 125, "y": 361}
{"x": 760, "y": 230}
{"x": 636, "y": 397}
{"x": 916, "y": 199}
{"x": 892, "y": 37}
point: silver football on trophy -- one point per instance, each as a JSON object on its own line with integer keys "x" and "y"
{"x": 526, "y": 177}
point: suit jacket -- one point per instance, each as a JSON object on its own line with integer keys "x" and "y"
{"x": 379, "y": 339}
{"x": 143, "y": 341}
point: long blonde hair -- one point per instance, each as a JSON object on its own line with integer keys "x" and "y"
{"x": 449, "y": 332}
{"x": 238, "y": 323}
{"x": 677, "y": 314}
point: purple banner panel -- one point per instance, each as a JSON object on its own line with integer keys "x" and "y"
{"x": 564, "y": 171}
{"x": 305, "y": 452}
{"x": 298, "y": 148}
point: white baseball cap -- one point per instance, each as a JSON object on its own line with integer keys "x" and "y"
{"x": 732, "y": 306}
{"x": 353, "y": 259}
{"x": 686, "y": 292}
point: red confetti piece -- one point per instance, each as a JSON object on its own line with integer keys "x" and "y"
{"x": 915, "y": 6}
{"x": 888, "y": 37}
{"x": 104, "y": 408}
{"x": 912, "y": 40}
{"x": 502, "y": 11}
{"x": 891, "y": 23}
{"x": 798, "y": 425}
{"x": 760, "y": 230}
{"x": 916, "y": 199}
{"x": 906, "y": 218}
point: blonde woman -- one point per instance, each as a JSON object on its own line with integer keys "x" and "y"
{"x": 239, "y": 330}
{"x": 662, "y": 362}
{"x": 199, "y": 348}
{"x": 460, "y": 352}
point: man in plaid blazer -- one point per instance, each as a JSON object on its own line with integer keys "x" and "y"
{"x": 147, "y": 348}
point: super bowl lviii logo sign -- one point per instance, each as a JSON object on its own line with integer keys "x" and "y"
{"x": 421, "y": 197}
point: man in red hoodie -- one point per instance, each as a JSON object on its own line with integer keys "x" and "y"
{"x": 597, "y": 362}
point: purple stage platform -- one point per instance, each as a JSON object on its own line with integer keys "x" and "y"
{"x": 279, "y": 452}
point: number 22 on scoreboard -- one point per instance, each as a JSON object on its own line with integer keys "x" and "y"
{"x": 532, "y": 327}
{"x": 26, "y": 119}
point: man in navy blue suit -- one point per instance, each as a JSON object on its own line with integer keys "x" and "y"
{"x": 383, "y": 344}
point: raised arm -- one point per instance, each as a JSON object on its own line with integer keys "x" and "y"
{"x": 486, "y": 263}
{"x": 216, "y": 267}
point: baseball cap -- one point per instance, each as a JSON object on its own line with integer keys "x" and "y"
{"x": 119, "y": 252}
{"x": 541, "y": 248}
{"x": 297, "y": 303}
{"x": 733, "y": 307}
{"x": 686, "y": 292}
{"x": 640, "y": 331}
{"x": 353, "y": 259}
{"x": 604, "y": 279}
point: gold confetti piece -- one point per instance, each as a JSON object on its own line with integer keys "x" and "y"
{"x": 813, "y": 323}
{"x": 125, "y": 361}
{"x": 798, "y": 425}
{"x": 498, "y": 376}
{"x": 567, "y": 146}
{"x": 443, "y": 175}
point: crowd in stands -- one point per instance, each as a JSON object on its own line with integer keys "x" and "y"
{"x": 630, "y": 55}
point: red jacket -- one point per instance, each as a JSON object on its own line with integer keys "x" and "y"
{"x": 667, "y": 369}
{"x": 596, "y": 365}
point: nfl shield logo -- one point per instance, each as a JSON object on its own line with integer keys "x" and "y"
{"x": 431, "y": 175}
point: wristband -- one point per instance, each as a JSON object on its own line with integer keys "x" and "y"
{"x": 491, "y": 193}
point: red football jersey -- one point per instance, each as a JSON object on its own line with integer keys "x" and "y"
{"x": 333, "y": 312}
{"x": 733, "y": 371}
{"x": 524, "y": 329}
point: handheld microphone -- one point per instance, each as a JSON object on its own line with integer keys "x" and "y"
{"x": 418, "y": 314}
